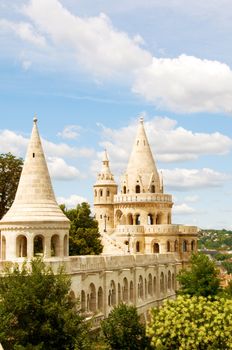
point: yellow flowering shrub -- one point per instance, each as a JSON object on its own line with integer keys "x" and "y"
{"x": 192, "y": 323}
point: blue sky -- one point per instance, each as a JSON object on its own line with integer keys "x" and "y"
{"x": 89, "y": 69}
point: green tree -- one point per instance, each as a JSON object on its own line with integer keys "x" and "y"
{"x": 37, "y": 311}
{"x": 123, "y": 330}
{"x": 192, "y": 323}
{"x": 84, "y": 237}
{"x": 10, "y": 171}
{"x": 202, "y": 278}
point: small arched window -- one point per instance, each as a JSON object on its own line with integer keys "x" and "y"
{"x": 124, "y": 189}
{"x": 168, "y": 246}
{"x": 107, "y": 193}
{"x": 152, "y": 188}
{"x": 184, "y": 246}
{"x": 137, "y": 189}
{"x": 137, "y": 247}
{"x": 101, "y": 193}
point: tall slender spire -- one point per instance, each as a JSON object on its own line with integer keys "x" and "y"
{"x": 35, "y": 199}
{"x": 105, "y": 176}
{"x": 141, "y": 169}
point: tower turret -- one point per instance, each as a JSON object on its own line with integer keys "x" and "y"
{"x": 35, "y": 224}
{"x": 104, "y": 190}
{"x": 141, "y": 175}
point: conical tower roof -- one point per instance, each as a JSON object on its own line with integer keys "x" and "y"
{"x": 35, "y": 200}
{"x": 105, "y": 177}
{"x": 141, "y": 169}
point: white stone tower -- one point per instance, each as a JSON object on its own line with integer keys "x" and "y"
{"x": 34, "y": 225}
{"x": 104, "y": 190}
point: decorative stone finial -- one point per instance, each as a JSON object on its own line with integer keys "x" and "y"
{"x": 35, "y": 118}
{"x": 141, "y": 119}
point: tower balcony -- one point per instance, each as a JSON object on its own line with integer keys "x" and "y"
{"x": 143, "y": 197}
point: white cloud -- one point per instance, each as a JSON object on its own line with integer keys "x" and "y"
{"x": 192, "y": 199}
{"x": 24, "y": 31}
{"x": 188, "y": 179}
{"x": 70, "y": 132}
{"x": 186, "y": 84}
{"x": 181, "y": 209}
{"x": 15, "y": 143}
{"x": 71, "y": 201}
{"x": 60, "y": 170}
{"x": 99, "y": 47}
{"x": 169, "y": 142}
{"x": 26, "y": 64}
{"x": 12, "y": 142}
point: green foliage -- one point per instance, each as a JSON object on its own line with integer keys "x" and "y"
{"x": 36, "y": 311}
{"x": 123, "y": 330}
{"x": 228, "y": 266}
{"x": 227, "y": 291}
{"x": 222, "y": 257}
{"x": 84, "y": 237}
{"x": 215, "y": 239}
{"x": 10, "y": 171}
{"x": 192, "y": 323}
{"x": 201, "y": 278}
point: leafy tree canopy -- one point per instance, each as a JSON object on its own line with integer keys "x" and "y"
{"x": 123, "y": 330}
{"x": 37, "y": 312}
{"x": 10, "y": 171}
{"x": 201, "y": 278}
{"x": 192, "y": 323}
{"x": 84, "y": 237}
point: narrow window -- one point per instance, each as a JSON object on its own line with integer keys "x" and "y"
{"x": 33, "y": 155}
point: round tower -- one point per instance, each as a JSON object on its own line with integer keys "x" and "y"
{"x": 104, "y": 190}
{"x": 34, "y": 225}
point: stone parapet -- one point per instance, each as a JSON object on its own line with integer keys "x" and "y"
{"x": 143, "y": 197}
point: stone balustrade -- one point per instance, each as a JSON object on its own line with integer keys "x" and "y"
{"x": 143, "y": 197}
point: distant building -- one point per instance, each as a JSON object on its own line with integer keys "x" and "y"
{"x": 143, "y": 250}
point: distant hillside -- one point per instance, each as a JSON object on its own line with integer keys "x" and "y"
{"x": 215, "y": 239}
{"x": 221, "y": 241}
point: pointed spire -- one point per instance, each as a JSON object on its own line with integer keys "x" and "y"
{"x": 105, "y": 176}
{"x": 141, "y": 169}
{"x": 35, "y": 199}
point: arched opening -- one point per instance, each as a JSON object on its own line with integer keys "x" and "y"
{"x": 137, "y": 189}
{"x": 137, "y": 219}
{"x": 100, "y": 299}
{"x": 152, "y": 188}
{"x": 162, "y": 283}
{"x": 140, "y": 287}
{"x": 107, "y": 193}
{"x": 184, "y": 246}
{"x": 145, "y": 289}
{"x": 112, "y": 294}
{"x": 149, "y": 285}
{"x": 192, "y": 246}
{"x": 154, "y": 285}
{"x": 95, "y": 193}
{"x": 118, "y": 216}
{"x": 150, "y": 219}
{"x": 129, "y": 219}
{"x": 21, "y": 246}
{"x": 3, "y": 248}
{"x": 156, "y": 248}
{"x": 101, "y": 193}
{"x": 125, "y": 290}
{"x": 92, "y": 298}
{"x": 55, "y": 245}
{"x": 168, "y": 246}
{"x": 169, "y": 280}
{"x": 119, "y": 293}
{"x": 169, "y": 219}
{"x": 83, "y": 301}
{"x": 124, "y": 189}
{"x": 173, "y": 281}
{"x": 176, "y": 246}
{"x": 38, "y": 245}
{"x": 131, "y": 292}
{"x": 159, "y": 218}
{"x": 65, "y": 245}
{"x": 137, "y": 247}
